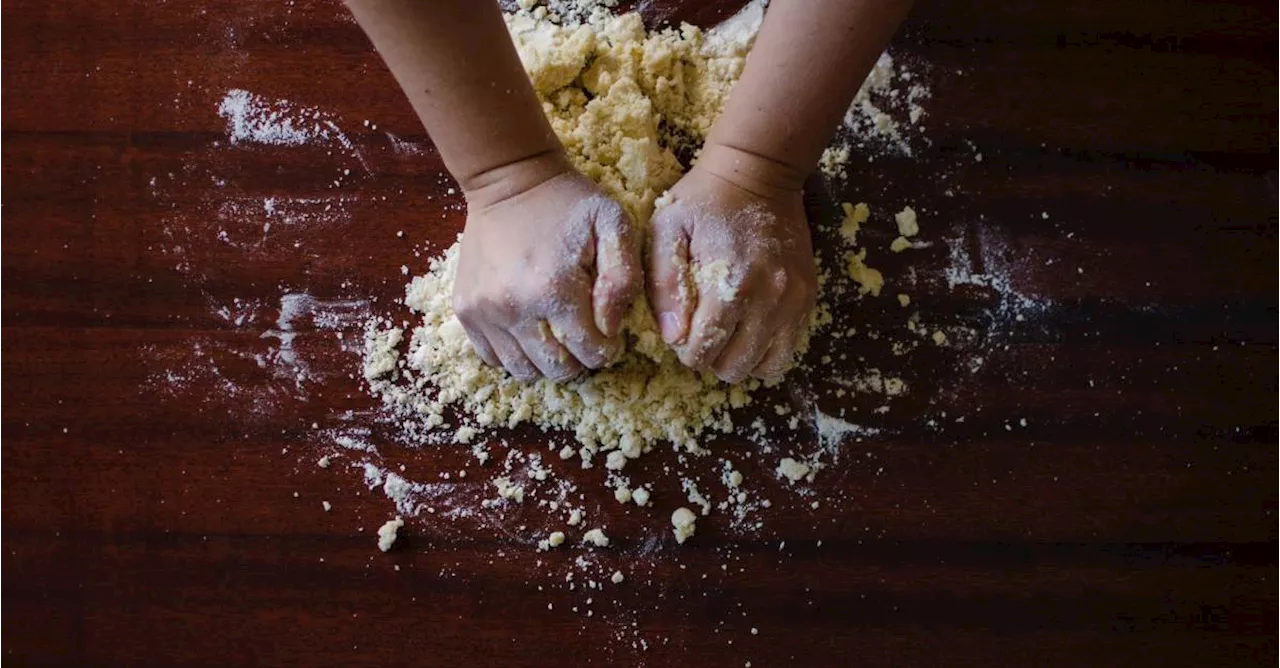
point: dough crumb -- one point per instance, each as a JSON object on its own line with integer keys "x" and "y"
{"x": 509, "y": 490}
{"x": 794, "y": 470}
{"x": 870, "y": 281}
{"x": 387, "y": 533}
{"x": 684, "y": 523}
{"x": 617, "y": 578}
{"x": 596, "y": 537}
{"x": 854, "y": 217}
{"x": 554, "y": 539}
{"x": 714, "y": 277}
{"x": 908, "y": 226}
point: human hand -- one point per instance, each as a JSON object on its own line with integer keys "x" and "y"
{"x": 731, "y": 277}
{"x": 547, "y": 270}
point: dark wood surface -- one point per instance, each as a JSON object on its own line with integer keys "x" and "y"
{"x": 1131, "y": 522}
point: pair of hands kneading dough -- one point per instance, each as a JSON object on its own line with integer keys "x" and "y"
{"x": 546, "y": 275}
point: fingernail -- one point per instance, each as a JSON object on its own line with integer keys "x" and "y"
{"x": 670, "y": 326}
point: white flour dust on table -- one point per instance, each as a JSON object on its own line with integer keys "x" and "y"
{"x": 675, "y": 453}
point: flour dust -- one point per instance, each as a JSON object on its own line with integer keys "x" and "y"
{"x": 590, "y": 509}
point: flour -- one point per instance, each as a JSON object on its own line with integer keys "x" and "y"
{"x": 291, "y": 340}
{"x": 254, "y": 119}
{"x": 884, "y": 118}
{"x": 625, "y": 101}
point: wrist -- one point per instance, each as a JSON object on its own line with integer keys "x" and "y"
{"x": 754, "y": 172}
{"x": 500, "y": 183}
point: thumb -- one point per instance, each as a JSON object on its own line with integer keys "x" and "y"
{"x": 671, "y": 294}
{"x": 617, "y": 280}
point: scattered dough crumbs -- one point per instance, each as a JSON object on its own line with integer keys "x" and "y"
{"x": 624, "y": 101}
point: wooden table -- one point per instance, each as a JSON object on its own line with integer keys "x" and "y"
{"x": 162, "y": 505}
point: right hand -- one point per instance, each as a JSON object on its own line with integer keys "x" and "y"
{"x": 746, "y": 318}
{"x": 546, "y": 274}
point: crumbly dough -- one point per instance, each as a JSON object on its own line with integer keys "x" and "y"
{"x": 622, "y": 100}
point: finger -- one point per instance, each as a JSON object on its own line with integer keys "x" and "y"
{"x": 512, "y": 355}
{"x": 618, "y": 276}
{"x": 781, "y": 353}
{"x": 744, "y": 350}
{"x": 481, "y": 343}
{"x": 574, "y": 329}
{"x": 713, "y": 325}
{"x": 546, "y": 353}
{"x": 671, "y": 293}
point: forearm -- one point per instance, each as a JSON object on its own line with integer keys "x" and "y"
{"x": 460, "y": 71}
{"x": 807, "y": 64}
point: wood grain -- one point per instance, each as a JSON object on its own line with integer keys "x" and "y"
{"x": 1131, "y": 522}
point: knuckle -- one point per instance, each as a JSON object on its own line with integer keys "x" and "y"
{"x": 564, "y": 373}
{"x": 464, "y": 305}
{"x": 780, "y": 280}
{"x": 689, "y": 357}
{"x": 731, "y": 374}
{"x": 521, "y": 372}
{"x": 611, "y": 217}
